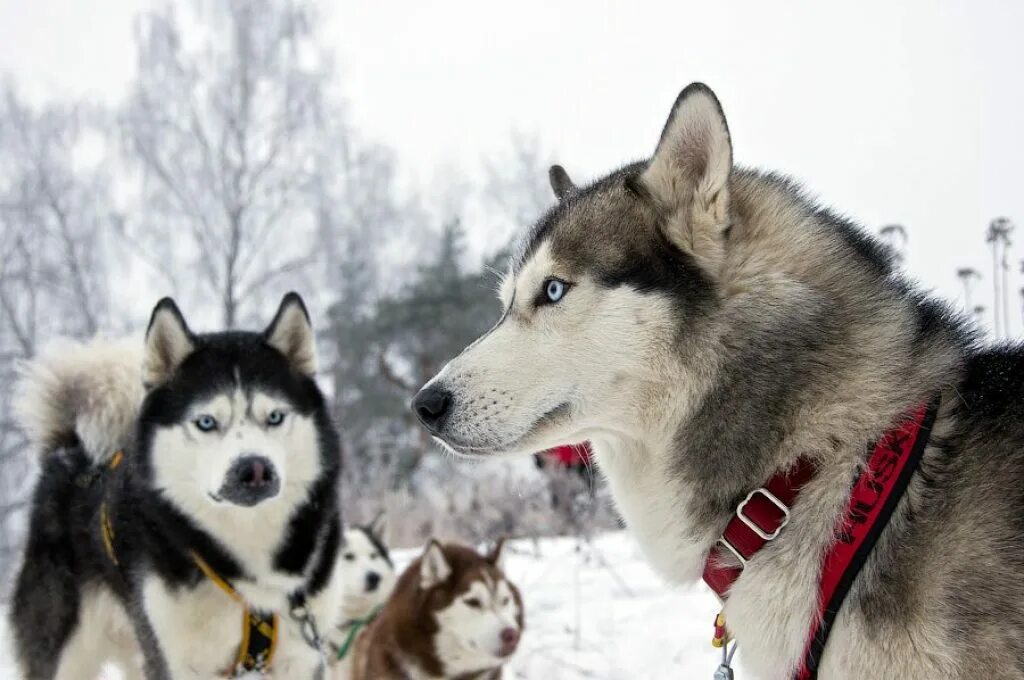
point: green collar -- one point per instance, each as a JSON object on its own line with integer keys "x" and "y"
{"x": 354, "y": 626}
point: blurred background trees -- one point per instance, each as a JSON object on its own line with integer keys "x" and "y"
{"x": 229, "y": 174}
{"x": 55, "y": 221}
{"x": 225, "y": 129}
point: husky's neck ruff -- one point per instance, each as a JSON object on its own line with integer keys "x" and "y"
{"x": 765, "y": 512}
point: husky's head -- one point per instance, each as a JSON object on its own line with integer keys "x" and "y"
{"x": 233, "y": 426}
{"x": 477, "y": 610}
{"x": 367, "y": 573}
{"x": 605, "y": 290}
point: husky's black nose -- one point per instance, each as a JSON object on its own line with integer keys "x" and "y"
{"x": 432, "y": 406}
{"x": 250, "y": 479}
{"x": 372, "y": 581}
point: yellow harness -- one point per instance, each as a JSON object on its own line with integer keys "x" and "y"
{"x": 259, "y": 629}
{"x": 106, "y": 527}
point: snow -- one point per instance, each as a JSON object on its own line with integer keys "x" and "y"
{"x": 595, "y": 611}
{"x": 598, "y": 611}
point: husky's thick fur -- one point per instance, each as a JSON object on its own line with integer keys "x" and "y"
{"x": 705, "y": 326}
{"x": 366, "y": 572}
{"x": 227, "y": 455}
{"x": 367, "y": 577}
{"x": 453, "y": 615}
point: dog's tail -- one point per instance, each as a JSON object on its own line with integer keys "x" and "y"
{"x": 87, "y": 393}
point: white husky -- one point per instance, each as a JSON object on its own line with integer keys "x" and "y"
{"x": 367, "y": 576}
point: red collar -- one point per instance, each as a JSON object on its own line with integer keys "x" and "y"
{"x": 765, "y": 512}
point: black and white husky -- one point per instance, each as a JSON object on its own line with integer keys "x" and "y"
{"x": 709, "y": 328}
{"x": 179, "y": 524}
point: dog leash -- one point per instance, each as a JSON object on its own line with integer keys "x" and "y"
{"x": 765, "y": 512}
{"x": 307, "y": 622}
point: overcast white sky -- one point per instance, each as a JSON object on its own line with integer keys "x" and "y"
{"x": 908, "y": 113}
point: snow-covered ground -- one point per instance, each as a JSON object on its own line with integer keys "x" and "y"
{"x": 596, "y": 611}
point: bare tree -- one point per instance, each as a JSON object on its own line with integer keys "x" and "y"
{"x": 54, "y": 217}
{"x": 225, "y": 133}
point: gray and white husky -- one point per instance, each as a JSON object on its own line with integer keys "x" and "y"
{"x": 706, "y": 325}
{"x": 166, "y": 513}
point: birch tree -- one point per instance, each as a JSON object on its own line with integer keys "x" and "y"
{"x": 222, "y": 121}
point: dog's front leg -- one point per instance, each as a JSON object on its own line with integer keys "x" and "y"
{"x": 197, "y": 630}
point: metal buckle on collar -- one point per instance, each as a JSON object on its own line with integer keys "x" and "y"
{"x": 753, "y": 525}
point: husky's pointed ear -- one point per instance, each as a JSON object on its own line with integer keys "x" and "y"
{"x": 561, "y": 184}
{"x": 378, "y": 525}
{"x": 434, "y": 567}
{"x": 291, "y": 333}
{"x": 168, "y": 343}
{"x": 688, "y": 175}
{"x": 496, "y": 555}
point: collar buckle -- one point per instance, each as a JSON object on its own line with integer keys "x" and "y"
{"x": 752, "y": 525}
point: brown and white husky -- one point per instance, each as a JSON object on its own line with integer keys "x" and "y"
{"x": 453, "y": 614}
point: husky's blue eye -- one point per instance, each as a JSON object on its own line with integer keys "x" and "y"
{"x": 554, "y": 290}
{"x": 275, "y": 418}
{"x": 206, "y": 423}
